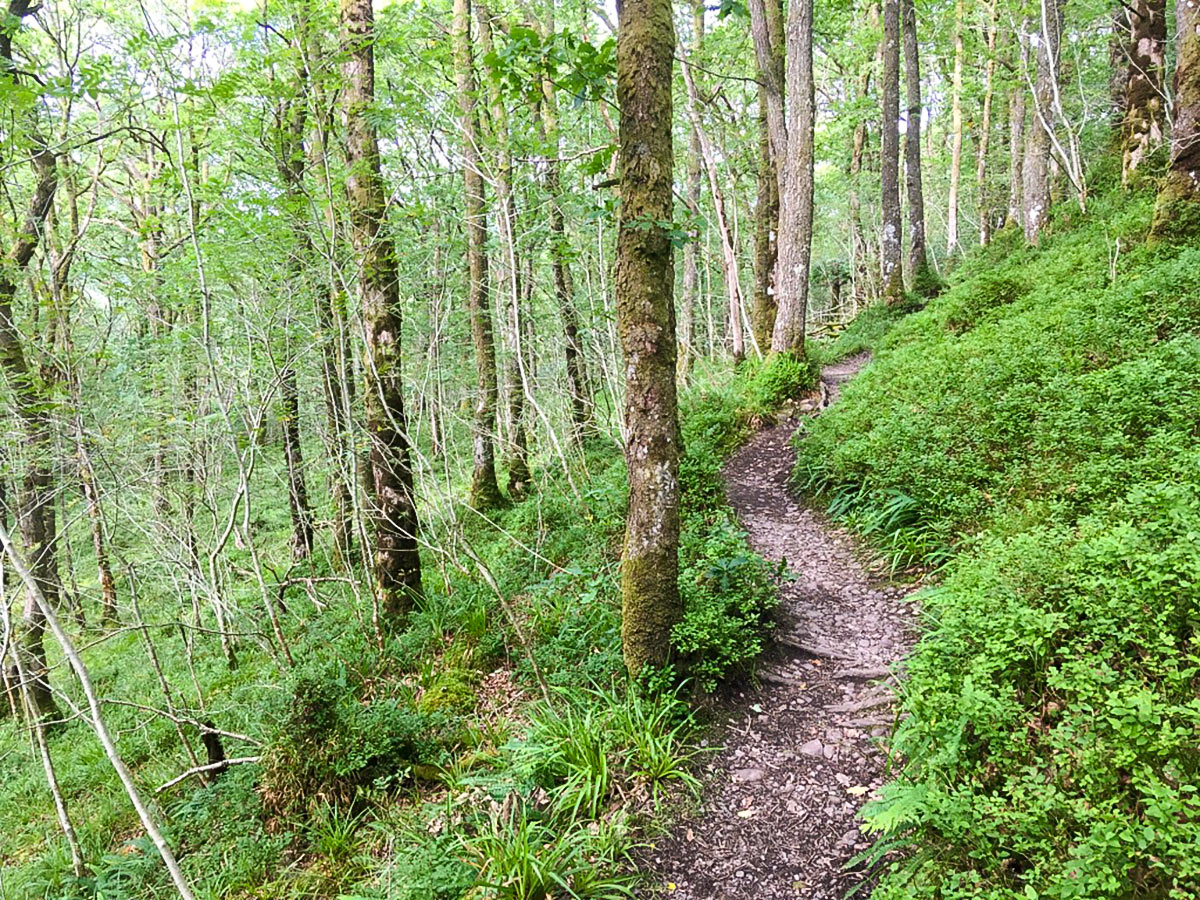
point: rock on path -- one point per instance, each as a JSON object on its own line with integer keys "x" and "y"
{"x": 780, "y": 814}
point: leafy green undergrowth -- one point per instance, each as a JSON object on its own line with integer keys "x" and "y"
{"x": 1040, "y": 421}
{"x": 491, "y": 748}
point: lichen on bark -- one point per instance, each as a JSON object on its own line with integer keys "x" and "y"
{"x": 646, "y": 322}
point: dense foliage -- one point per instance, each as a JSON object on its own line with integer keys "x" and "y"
{"x": 1040, "y": 419}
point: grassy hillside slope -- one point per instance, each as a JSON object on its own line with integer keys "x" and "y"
{"x": 1036, "y": 426}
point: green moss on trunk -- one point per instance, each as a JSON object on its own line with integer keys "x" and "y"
{"x": 646, "y": 322}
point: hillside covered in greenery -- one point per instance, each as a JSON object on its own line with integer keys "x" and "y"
{"x": 1033, "y": 433}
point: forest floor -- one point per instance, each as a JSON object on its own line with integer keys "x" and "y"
{"x": 800, "y": 754}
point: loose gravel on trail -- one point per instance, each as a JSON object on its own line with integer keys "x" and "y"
{"x": 800, "y": 754}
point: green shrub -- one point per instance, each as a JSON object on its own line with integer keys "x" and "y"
{"x": 333, "y": 742}
{"x": 728, "y": 595}
{"x": 779, "y": 378}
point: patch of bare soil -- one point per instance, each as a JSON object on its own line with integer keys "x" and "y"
{"x": 780, "y": 817}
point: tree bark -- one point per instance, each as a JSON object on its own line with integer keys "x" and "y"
{"x": 485, "y": 489}
{"x": 397, "y": 559}
{"x": 766, "y": 26}
{"x": 766, "y": 230}
{"x": 1142, "y": 127}
{"x": 796, "y": 185}
{"x": 650, "y": 600}
{"x": 1036, "y": 174}
{"x": 1176, "y": 210}
{"x": 889, "y": 157}
{"x": 918, "y": 259}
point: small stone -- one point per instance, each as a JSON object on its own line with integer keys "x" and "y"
{"x": 744, "y": 776}
{"x": 812, "y": 748}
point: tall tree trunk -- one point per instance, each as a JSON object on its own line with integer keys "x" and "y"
{"x": 767, "y": 31}
{"x": 1142, "y": 128}
{"x": 1176, "y": 209}
{"x": 508, "y": 272}
{"x": 956, "y": 132}
{"x": 560, "y": 251}
{"x": 918, "y": 259}
{"x": 691, "y": 250}
{"x": 394, "y": 509}
{"x": 766, "y": 26}
{"x": 485, "y": 490}
{"x": 985, "y": 132}
{"x": 1036, "y": 174}
{"x": 35, "y": 502}
{"x": 766, "y": 229}
{"x": 889, "y": 157}
{"x": 645, "y": 277}
{"x": 1016, "y": 136}
{"x": 796, "y": 185}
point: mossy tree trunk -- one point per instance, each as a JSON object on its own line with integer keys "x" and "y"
{"x": 890, "y": 240}
{"x": 918, "y": 257}
{"x": 1178, "y": 208}
{"x": 766, "y": 230}
{"x": 337, "y": 360}
{"x": 485, "y": 489}
{"x": 31, "y": 403}
{"x": 796, "y": 185}
{"x": 771, "y": 233}
{"x": 1142, "y": 127}
{"x": 861, "y": 271}
{"x": 397, "y": 559}
{"x": 646, "y": 321}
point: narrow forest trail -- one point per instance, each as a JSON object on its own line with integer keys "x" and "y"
{"x": 780, "y": 812}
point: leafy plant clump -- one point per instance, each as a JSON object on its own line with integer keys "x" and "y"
{"x": 1039, "y": 419}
